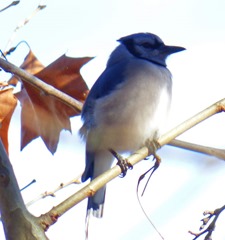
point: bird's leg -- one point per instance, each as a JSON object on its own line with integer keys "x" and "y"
{"x": 152, "y": 146}
{"x": 123, "y": 163}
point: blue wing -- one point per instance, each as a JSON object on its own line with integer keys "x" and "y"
{"x": 105, "y": 84}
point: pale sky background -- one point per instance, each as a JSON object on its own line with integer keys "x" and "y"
{"x": 186, "y": 183}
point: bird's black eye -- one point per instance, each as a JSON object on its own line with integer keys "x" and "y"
{"x": 146, "y": 45}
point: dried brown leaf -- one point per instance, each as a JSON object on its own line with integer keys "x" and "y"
{"x": 7, "y": 105}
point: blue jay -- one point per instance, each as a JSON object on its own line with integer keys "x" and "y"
{"x": 127, "y": 105}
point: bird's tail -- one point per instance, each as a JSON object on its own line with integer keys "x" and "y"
{"x": 96, "y": 203}
{"x": 95, "y": 209}
{"x": 96, "y": 164}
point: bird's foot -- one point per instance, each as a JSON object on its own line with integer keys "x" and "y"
{"x": 153, "y": 146}
{"x": 123, "y": 163}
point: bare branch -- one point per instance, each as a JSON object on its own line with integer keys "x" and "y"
{"x": 211, "y": 227}
{"x": 52, "y": 193}
{"x": 46, "y": 88}
{"x": 219, "y": 153}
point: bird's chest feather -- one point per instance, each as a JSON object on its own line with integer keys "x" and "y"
{"x": 136, "y": 109}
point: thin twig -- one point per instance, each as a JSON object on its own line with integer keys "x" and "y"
{"x": 206, "y": 221}
{"x": 20, "y": 25}
{"x": 52, "y": 193}
{"x": 14, "y": 3}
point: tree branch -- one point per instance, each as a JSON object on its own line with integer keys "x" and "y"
{"x": 206, "y": 221}
{"x": 136, "y": 157}
{"x": 39, "y": 84}
{"x": 52, "y": 193}
{"x": 18, "y": 223}
{"x": 219, "y": 153}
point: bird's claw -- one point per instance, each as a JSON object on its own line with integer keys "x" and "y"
{"x": 152, "y": 146}
{"x": 123, "y": 163}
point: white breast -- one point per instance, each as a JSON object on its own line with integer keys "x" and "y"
{"x": 136, "y": 110}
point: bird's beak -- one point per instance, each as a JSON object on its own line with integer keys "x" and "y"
{"x": 172, "y": 49}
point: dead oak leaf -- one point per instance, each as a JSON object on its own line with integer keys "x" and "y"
{"x": 44, "y": 115}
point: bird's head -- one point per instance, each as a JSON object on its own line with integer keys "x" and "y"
{"x": 148, "y": 46}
